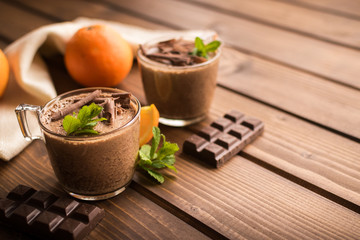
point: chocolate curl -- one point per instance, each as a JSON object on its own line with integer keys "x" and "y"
{"x": 175, "y": 52}
{"x": 99, "y": 101}
{"x": 176, "y": 59}
{"x": 109, "y": 109}
{"x": 71, "y": 108}
{"x": 123, "y": 99}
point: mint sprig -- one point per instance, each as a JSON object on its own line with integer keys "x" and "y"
{"x": 84, "y": 122}
{"x": 152, "y": 158}
{"x": 202, "y": 50}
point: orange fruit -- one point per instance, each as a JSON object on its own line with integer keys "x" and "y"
{"x": 4, "y": 72}
{"x": 97, "y": 56}
{"x": 149, "y": 117}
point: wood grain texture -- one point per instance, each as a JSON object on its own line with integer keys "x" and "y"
{"x": 245, "y": 198}
{"x": 251, "y": 204}
{"x": 12, "y": 27}
{"x": 128, "y": 216}
{"x": 60, "y": 10}
{"x": 349, "y": 8}
{"x": 315, "y": 99}
{"x": 325, "y": 26}
{"x": 312, "y": 55}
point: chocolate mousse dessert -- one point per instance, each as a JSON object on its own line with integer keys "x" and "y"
{"x": 97, "y": 159}
{"x": 177, "y": 80}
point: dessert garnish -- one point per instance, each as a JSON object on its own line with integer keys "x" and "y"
{"x": 95, "y": 107}
{"x": 61, "y": 113}
{"x": 202, "y": 50}
{"x": 84, "y": 122}
{"x": 152, "y": 158}
{"x": 180, "y": 52}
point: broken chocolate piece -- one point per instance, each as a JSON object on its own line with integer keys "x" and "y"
{"x": 123, "y": 99}
{"x": 224, "y": 138}
{"x": 69, "y": 109}
{"x": 46, "y": 216}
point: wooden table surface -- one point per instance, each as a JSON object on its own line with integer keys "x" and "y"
{"x": 293, "y": 64}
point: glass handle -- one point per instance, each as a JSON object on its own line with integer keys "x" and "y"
{"x": 28, "y": 118}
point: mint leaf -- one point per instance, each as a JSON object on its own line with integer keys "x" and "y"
{"x": 167, "y": 149}
{"x": 84, "y": 123}
{"x": 85, "y": 132}
{"x": 169, "y": 160}
{"x": 152, "y": 158}
{"x": 71, "y": 124}
{"x": 84, "y": 114}
{"x": 95, "y": 110}
{"x": 202, "y": 50}
{"x": 155, "y": 141}
{"x": 199, "y": 44}
{"x": 171, "y": 167}
{"x": 213, "y": 46}
{"x": 144, "y": 154}
{"x": 160, "y": 178}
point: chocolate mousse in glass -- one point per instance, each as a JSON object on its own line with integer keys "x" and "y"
{"x": 181, "y": 87}
{"x": 92, "y": 167}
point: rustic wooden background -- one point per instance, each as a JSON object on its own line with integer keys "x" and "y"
{"x": 295, "y": 64}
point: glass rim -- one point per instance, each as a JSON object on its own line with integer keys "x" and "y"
{"x": 143, "y": 58}
{"x": 83, "y": 90}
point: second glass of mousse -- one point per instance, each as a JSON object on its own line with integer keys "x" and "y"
{"x": 93, "y": 167}
{"x": 181, "y": 85}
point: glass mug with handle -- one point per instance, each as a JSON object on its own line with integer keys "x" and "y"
{"x": 91, "y": 167}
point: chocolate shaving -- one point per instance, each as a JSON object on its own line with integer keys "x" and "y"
{"x": 175, "y": 59}
{"x": 109, "y": 111}
{"x": 99, "y": 101}
{"x": 71, "y": 108}
{"x": 123, "y": 99}
{"x": 176, "y": 52}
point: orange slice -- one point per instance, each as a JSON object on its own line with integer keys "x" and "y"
{"x": 149, "y": 117}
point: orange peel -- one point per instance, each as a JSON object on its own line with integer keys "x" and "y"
{"x": 149, "y": 117}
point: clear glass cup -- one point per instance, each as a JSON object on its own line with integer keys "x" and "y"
{"x": 88, "y": 168}
{"x": 182, "y": 94}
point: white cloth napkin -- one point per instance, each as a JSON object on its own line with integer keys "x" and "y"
{"x": 30, "y": 81}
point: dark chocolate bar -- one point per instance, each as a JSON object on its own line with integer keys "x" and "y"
{"x": 224, "y": 138}
{"x": 47, "y": 216}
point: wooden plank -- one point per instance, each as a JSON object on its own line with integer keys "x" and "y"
{"x": 128, "y": 216}
{"x": 15, "y": 22}
{"x": 324, "y": 26}
{"x": 349, "y": 8}
{"x": 288, "y": 48}
{"x": 313, "y": 98}
{"x": 301, "y": 149}
{"x": 242, "y": 200}
{"x": 61, "y": 10}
